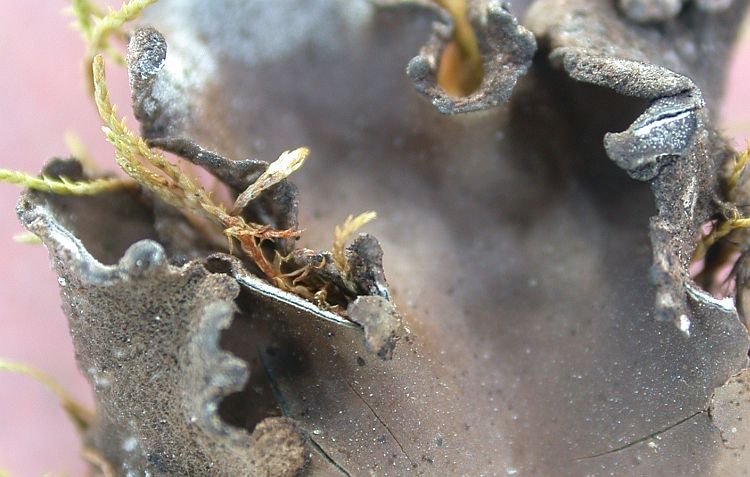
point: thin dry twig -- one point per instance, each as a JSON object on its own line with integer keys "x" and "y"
{"x": 740, "y": 163}
{"x": 79, "y": 152}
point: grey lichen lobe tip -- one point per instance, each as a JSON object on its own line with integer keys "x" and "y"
{"x": 625, "y": 76}
{"x": 143, "y": 258}
{"x": 365, "y": 258}
{"x": 666, "y": 130}
{"x": 147, "y": 52}
{"x": 160, "y": 100}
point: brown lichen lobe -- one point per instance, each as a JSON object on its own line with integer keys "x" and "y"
{"x": 279, "y": 448}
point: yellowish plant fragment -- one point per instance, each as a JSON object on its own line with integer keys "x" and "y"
{"x": 343, "y": 232}
{"x": 4, "y": 473}
{"x": 81, "y": 416}
{"x": 113, "y": 21}
{"x": 27, "y": 238}
{"x": 62, "y": 185}
{"x": 460, "y": 71}
{"x": 278, "y": 170}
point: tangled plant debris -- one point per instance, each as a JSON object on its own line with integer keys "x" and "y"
{"x": 540, "y": 317}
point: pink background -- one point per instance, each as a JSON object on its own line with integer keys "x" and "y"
{"x": 42, "y": 95}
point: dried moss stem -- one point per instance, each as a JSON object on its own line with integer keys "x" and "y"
{"x": 278, "y": 170}
{"x": 97, "y": 459}
{"x": 63, "y": 185}
{"x": 84, "y": 12}
{"x": 723, "y": 229}
{"x": 79, "y": 151}
{"x": 463, "y": 32}
{"x": 163, "y": 178}
{"x": 112, "y": 22}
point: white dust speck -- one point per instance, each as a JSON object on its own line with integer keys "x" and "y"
{"x": 129, "y": 444}
{"x": 684, "y": 324}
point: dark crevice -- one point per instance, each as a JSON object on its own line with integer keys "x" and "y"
{"x": 274, "y": 386}
{"x": 644, "y": 439}
{"x": 257, "y": 400}
{"x": 568, "y": 115}
{"x": 382, "y": 423}
{"x": 328, "y": 458}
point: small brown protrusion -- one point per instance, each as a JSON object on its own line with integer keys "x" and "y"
{"x": 279, "y": 448}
